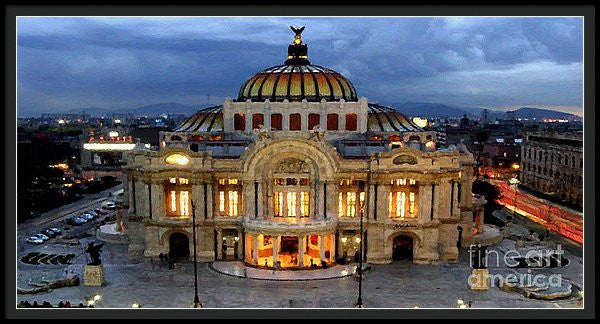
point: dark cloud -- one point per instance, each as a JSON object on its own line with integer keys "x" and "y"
{"x": 66, "y": 63}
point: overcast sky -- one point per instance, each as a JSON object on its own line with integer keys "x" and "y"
{"x": 497, "y": 63}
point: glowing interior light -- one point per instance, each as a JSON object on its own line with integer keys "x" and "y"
{"x": 411, "y": 206}
{"x": 113, "y": 134}
{"x": 109, "y": 146}
{"x": 340, "y": 205}
{"x": 357, "y": 239}
{"x": 291, "y": 200}
{"x": 420, "y": 121}
{"x": 178, "y": 159}
{"x": 430, "y": 145}
{"x": 173, "y": 201}
{"x": 183, "y": 203}
{"x": 221, "y": 201}
{"x": 344, "y": 240}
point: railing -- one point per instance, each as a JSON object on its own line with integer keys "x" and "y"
{"x": 288, "y": 224}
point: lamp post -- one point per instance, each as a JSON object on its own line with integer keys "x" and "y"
{"x": 196, "y": 299}
{"x": 359, "y": 303}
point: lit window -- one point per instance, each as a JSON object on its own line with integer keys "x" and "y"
{"x": 173, "y": 180}
{"x": 412, "y": 181}
{"x": 173, "y": 201}
{"x": 221, "y": 181}
{"x": 400, "y": 201}
{"x": 351, "y": 204}
{"x": 340, "y": 204}
{"x": 233, "y": 181}
{"x": 233, "y": 203}
{"x": 183, "y": 203}
{"x": 362, "y": 198}
{"x": 184, "y": 181}
{"x": 221, "y": 201}
{"x": 278, "y": 197}
{"x": 178, "y": 159}
{"x": 291, "y": 204}
{"x": 304, "y": 203}
{"x": 411, "y": 206}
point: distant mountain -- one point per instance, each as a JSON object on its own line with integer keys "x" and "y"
{"x": 149, "y": 110}
{"x": 538, "y": 113}
{"x": 162, "y": 108}
{"x": 434, "y": 110}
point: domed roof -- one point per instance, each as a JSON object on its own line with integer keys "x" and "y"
{"x": 380, "y": 119}
{"x": 297, "y": 80}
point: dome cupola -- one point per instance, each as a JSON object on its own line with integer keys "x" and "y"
{"x": 297, "y": 79}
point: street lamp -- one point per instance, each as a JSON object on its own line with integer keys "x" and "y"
{"x": 359, "y": 303}
{"x": 196, "y": 299}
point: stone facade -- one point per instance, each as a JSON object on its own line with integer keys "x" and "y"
{"x": 443, "y": 200}
{"x": 553, "y": 164}
{"x": 283, "y": 176}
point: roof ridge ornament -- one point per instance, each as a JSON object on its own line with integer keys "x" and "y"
{"x": 297, "y": 50}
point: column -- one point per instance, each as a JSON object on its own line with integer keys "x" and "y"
{"x": 383, "y": 197}
{"x": 370, "y": 203}
{"x": 198, "y": 198}
{"x": 319, "y": 212}
{"x": 424, "y": 203}
{"x": 247, "y": 200}
{"x": 158, "y": 200}
{"x": 209, "y": 201}
{"x": 301, "y": 248}
{"x": 275, "y": 249}
{"x": 255, "y": 249}
{"x": 219, "y": 244}
{"x": 322, "y": 247}
{"x": 248, "y": 116}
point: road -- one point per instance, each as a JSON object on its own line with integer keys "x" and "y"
{"x": 57, "y": 218}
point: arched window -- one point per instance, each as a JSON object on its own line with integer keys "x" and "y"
{"x": 176, "y": 138}
{"x": 351, "y": 124}
{"x": 313, "y": 120}
{"x": 276, "y": 122}
{"x": 332, "y": 122}
{"x": 295, "y": 122}
{"x": 239, "y": 122}
{"x": 257, "y": 120}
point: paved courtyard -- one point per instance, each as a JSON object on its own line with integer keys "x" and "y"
{"x": 152, "y": 284}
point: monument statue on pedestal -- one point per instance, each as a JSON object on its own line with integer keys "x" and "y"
{"x": 93, "y": 273}
{"x": 94, "y": 251}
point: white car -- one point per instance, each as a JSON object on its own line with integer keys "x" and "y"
{"x": 41, "y": 237}
{"x": 34, "y": 240}
{"x": 110, "y": 205}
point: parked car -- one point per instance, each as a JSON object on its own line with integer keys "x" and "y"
{"x": 41, "y": 237}
{"x": 50, "y": 233}
{"x": 110, "y": 205}
{"x": 56, "y": 230}
{"x": 34, "y": 240}
{"x": 93, "y": 213}
{"x": 87, "y": 217}
{"x": 100, "y": 211}
{"x": 76, "y": 220}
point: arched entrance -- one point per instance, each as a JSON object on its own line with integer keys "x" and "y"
{"x": 402, "y": 248}
{"x": 179, "y": 245}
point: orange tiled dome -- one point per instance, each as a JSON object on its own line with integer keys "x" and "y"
{"x": 297, "y": 82}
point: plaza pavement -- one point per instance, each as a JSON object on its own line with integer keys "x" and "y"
{"x": 153, "y": 285}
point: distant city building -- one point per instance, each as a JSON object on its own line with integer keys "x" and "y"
{"x": 485, "y": 116}
{"x": 553, "y": 164}
{"x": 101, "y": 153}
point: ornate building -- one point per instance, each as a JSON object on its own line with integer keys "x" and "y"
{"x": 553, "y": 165}
{"x": 278, "y": 176}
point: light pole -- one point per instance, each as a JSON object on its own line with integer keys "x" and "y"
{"x": 359, "y": 303}
{"x": 196, "y": 299}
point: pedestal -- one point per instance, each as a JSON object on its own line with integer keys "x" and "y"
{"x": 479, "y": 279}
{"x": 93, "y": 275}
